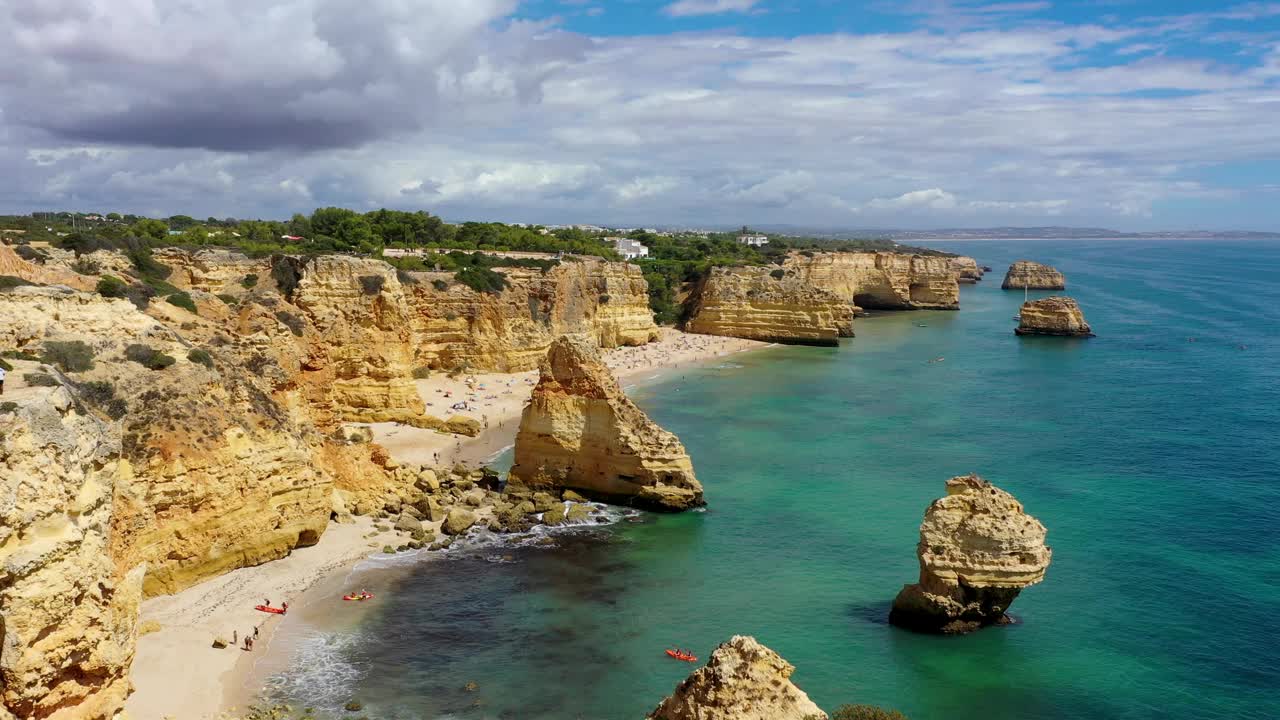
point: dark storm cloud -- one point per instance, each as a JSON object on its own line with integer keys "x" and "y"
{"x": 252, "y": 76}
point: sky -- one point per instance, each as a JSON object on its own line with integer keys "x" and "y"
{"x": 1129, "y": 114}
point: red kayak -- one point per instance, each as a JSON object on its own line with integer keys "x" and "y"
{"x": 368, "y": 596}
{"x": 269, "y": 609}
{"x": 681, "y": 656}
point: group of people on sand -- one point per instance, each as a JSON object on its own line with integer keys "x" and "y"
{"x": 249, "y": 640}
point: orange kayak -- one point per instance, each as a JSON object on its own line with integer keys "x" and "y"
{"x": 358, "y": 597}
{"x": 269, "y": 609}
{"x": 682, "y": 656}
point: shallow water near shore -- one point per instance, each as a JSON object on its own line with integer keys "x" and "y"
{"x": 1150, "y": 452}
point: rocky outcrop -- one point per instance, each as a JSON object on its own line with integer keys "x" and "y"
{"x": 1054, "y": 315}
{"x": 68, "y": 609}
{"x": 604, "y": 303}
{"x": 967, "y": 270}
{"x": 769, "y": 304}
{"x": 978, "y": 549}
{"x": 1033, "y": 276}
{"x": 580, "y": 431}
{"x": 743, "y": 680}
{"x": 881, "y": 280}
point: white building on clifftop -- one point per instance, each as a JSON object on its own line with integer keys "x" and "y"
{"x": 629, "y": 249}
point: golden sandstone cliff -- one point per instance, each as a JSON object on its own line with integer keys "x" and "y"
{"x": 1055, "y": 315}
{"x": 743, "y": 680}
{"x": 967, "y": 269}
{"x": 772, "y": 305}
{"x": 580, "y": 431}
{"x": 978, "y": 549}
{"x": 1033, "y": 276}
{"x": 68, "y": 609}
{"x": 881, "y": 280}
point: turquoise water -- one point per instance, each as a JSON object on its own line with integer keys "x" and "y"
{"x": 1150, "y": 453}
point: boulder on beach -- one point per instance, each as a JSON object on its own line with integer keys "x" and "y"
{"x": 458, "y": 521}
{"x": 978, "y": 549}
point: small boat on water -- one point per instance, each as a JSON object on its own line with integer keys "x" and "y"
{"x": 682, "y": 656}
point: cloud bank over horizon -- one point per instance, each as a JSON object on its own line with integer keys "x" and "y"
{"x": 698, "y": 112}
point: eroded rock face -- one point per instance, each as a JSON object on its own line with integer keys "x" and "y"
{"x": 751, "y": 303}
{"x": 881, "y": 280}
{"x": 1033, "y": 276}
{"x": 604, "y": 303}
{"x": 743, "y": 680}
{"x": 967, "y": 270}
{"x": 978, "y": 549}
{"x": 1054, "y": 315}
{"x": 68, "y": 610}
{"x": 581, "y": 431}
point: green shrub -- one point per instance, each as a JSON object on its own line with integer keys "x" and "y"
{"x": 40, "y": 380}
{"x": 421, "y": 373}
{"x": 229, "y": 299}
{"x": 20, "y": 355}
{"x": 248, "y": 281}
{"x": 291, "y": 321}
{"x": 440, "y": 285}
{"x": 69, "y": 356}
{"x": 482, "y": 279}
{"x": 865, "y": 712}
{"x": 85, "y": 266}
{"x": 12, "y": 281}
{"x": 184, "y": 301}
{"x": 102, "y": 394}
{"x": 287, "y": 272}
{"x": 30, "y": 254}
{"x": 372, "y": 284}
{"x": 140, "y": 295}
{"x": 604, "y": 299}
{"x": 112, "y": 287}
{"x": 778, "y": 274}
{"x": 405, "y": 278}
{"x": 8, "y": 407}
{"x": 201, "y": 357}
{"x": 148, "y": 357}
{"x": 5, "y": 366}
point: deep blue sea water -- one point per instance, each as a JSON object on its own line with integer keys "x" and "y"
{"x": 1150, "y": 452}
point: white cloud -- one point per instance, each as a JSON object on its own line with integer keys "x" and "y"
{"x": 936, "y": 198}
{"x": 685, "y": 8}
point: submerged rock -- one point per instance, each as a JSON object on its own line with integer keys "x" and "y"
{"x": 744, "y": 680}
{"x": 978, "y": 549}
{"x": 581, "y": 431}
{"x": 1033, "y": 276}
{"x": 1056, "y": 315}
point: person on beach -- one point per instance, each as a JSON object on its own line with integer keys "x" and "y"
{"x": 255, "y": 631}
{"x": 266, "y": 601}
{"x": 1, "y": 381}
{"x": 234, "y": 640}
{"x": 284, "y": 607}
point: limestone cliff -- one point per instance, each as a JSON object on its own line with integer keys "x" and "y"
{"x": 1033, "y": 276}
{"x": 581, "y": 431}
{"x": 68, "y": 610}
{"x": 743, "y": 680}
{"x": 966, "y": 269}
{"x": 1055, "y": 315}
{"x": 605, "y": 303}
{"x": 881, "y": 280}
{"x": 769, "y": 304}
{"x": 978, "y": 549}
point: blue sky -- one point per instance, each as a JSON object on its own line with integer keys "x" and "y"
{"x": 1131, "y": 114}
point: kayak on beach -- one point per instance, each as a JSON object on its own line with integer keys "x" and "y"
{"x": 269, "y": 609}
{"x": 680, "y": 655}
{"x": 365, "y": 596}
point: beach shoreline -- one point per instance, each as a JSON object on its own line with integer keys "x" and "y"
{"x": 214, "y": 683}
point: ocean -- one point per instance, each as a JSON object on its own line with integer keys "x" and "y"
{"x": 1151, "y": 454}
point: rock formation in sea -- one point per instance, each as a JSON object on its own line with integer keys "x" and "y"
{"x": 1056, "y": 315}
{"x": 68, "y": 609}
{"x": 743, "y": 680}
{"x": 581, "y": 431}
{"x": 978, "y": 549}
{"x": 769, "y": 304}
{"x": 967, "y": 270}
{"x": 1033, "y": 276}
{"x": 881, "y": 280}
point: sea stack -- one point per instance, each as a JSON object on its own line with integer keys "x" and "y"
{"x": 581, "y": 432}
{"x": 744, "y": 680}
{"x": 1056, "y": 315}
{"x": 1033, "y": 276}
{"x": 978, "y": 549}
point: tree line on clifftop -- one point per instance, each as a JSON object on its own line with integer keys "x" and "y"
{"x": 675, "y": 259}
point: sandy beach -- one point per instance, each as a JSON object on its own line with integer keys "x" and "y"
{"x": 178, "y": 673}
